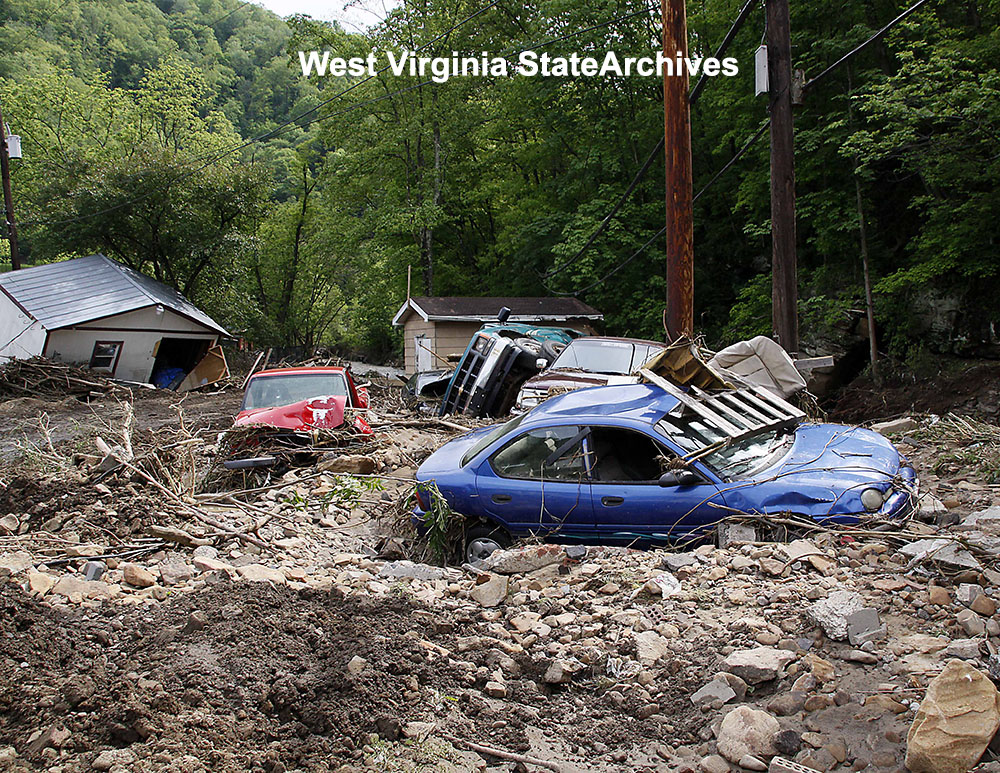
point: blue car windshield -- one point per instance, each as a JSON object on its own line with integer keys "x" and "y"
{"x": 495, "y": 434}
{"x": 610, "y": 357}
{"x": 733, "y": 460}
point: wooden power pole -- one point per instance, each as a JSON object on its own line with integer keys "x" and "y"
{"x": 8, "y": 199}
{"x": 784, "y": 276}
{"x": 677, "y": 147}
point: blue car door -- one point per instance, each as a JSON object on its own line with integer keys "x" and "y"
{"x": 629, "y": 502}
{"x": 537, "y": 483}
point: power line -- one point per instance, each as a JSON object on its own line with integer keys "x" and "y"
{"x": 227, "y": 15}
{"x": 692, "y": 98}
{"x": 739, "y": 154}
{"x": 860, "y": 48}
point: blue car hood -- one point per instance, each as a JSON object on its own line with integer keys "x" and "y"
{"x": 824, "y": 473}
{"x": 836, "y": 450}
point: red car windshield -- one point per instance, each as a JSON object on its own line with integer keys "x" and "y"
{"x": 288, "y": 388}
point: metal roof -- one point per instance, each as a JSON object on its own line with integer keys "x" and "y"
{"x": 81, "y": 290}
{"x": 485, "y": 309}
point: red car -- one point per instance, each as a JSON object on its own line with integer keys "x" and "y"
{"x": 301, "y": 399}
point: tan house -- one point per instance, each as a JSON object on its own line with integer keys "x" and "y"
{"x": 436, "y": 329}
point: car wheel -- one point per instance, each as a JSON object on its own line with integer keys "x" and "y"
{"x": 482, "y": 540}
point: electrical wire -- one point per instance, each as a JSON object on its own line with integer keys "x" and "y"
{"x": 739, "y": 154}
{"x": 227, "y": 15}
{"x": 858, "y": 49}
{"x": 734, "y": 29}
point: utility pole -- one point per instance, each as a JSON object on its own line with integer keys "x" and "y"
{"x": 677, "y": 148}
{"x": 8, "y": 199}
{"x": 784, "y": 275}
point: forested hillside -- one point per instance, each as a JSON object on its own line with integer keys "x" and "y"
{"x": 182, "y": 138}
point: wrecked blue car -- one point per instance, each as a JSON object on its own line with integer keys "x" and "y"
{"x": 637, "y": 463}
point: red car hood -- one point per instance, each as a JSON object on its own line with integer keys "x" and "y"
{"x": 315, "y": 413}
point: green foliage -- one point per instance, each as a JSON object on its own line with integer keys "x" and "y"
{"x": 443, "y": 525}
{"x": 489, "y": 185}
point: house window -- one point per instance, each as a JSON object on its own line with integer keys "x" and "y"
{"x": 105, "y": 356}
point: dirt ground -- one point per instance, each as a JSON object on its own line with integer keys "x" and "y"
{"x": 339, "y": 664}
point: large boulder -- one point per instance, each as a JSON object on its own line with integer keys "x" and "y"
{"x": 955, "y": 722}
{"x": 747, "y": 731}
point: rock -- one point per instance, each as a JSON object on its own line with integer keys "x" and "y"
{"x": 788, "y": 742}
{"x": 749, "y": 762}
{"x": 356, "y": 665}
{"x": 956, "y": 721}
{"x": 675, "y": 561}
{"x": 205, "y": 551}
{"x": 137, "y": 576}
{"x": 496, "y": 689}
{"x": 9, "y": 524}
{"x": 713, "y": 764}
{"x": 761, "y": 664}
{"x": 941, "y": 551}
{"x": 713, "y": 695}
{"x": 17, "y": 562}
{"x": 864, "y": 626}
{"x": 77, "y": 589}
{"x": 195, "y": 622}
{"x": 55, "y": 737}
{"x": 78, "y": 689}
{"x": 93, "y": 570}
{"x": 786, "y": 704}
{"x": 418, "y": 729}
{"x": 966, "y": 649}
{"x": 968, "y": 592}
{"x": 261, "y": 573}
{"x": 560, "y": 671}
{"x": 123, "y": 759}
{"x": 174, "y": 572}
{"x": 40, "y": 583}
{"x": 399, "y": 570}
{"x": 732, "y": 533}
{"x": 747, "y": 731}
{"x": 388, "y": 727}
{"x": 650, "y": 647}
{"x": 930, "y": 508}
{"x": 938, "y": 596}
{"x": 832, "y": 612}
{"x": 355, "y": 464}
{"x": 984, "y": 605}
{"x": 525, "y": 559}
{"x": 209, "y": 564}
{"x": 895, "y": 426}
{"x": 971, "y": 623}
{"x": 491, "y": 592}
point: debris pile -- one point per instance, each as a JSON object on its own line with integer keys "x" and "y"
{"x": 40, "y": 377}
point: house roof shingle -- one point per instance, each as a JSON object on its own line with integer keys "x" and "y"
{"x": 484, "y": 309}
{"x": 81, "y": 290}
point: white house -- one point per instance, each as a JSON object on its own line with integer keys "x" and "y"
{"x": 98, "y": 313}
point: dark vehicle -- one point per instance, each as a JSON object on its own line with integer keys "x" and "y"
{"x": 587, "y": 362}
{"x": 636, "y": 464}
{"x": 498, "y": 359}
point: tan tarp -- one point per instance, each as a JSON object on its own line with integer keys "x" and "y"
{"x": 763, "y": 363}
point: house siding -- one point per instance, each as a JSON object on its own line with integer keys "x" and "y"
{"x": 20, "y": 335}
{"x": 139, "y": 331}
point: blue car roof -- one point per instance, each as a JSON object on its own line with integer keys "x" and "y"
{"x": 644, "y": 403}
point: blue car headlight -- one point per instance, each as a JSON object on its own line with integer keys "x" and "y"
{"x": 872, "y": 499}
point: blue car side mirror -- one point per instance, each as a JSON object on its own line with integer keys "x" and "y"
{"x": 679, "y": 478}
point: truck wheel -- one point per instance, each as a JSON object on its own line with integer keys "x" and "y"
{"x": 551, "y": 350}
{"x": 482, "y": 540}
{"x": 530, "y": 352}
